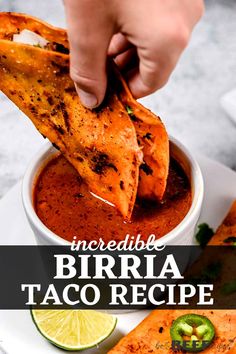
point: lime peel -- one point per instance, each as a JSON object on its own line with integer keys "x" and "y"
{"x": 74, "y": 329}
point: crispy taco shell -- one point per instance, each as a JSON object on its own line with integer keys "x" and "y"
{"x": 106, "y": 146}
{"x": 226, "y": 230}
{"x": 12, "y": 23}
{"x": 153, "y": 139}
{"x": 152, "y": 335}
{"x": 101, "y": 147}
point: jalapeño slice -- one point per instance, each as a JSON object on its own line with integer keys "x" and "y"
{"x": 192, "y": 332}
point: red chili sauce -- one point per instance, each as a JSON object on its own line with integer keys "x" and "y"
{"x": 64, "y": 204}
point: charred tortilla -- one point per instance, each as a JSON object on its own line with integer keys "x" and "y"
{"x": 153, "y": 139}
{"x": 111, "y": 150}
{"x": 102, "y": 148}
{"x": 153, "y": 334}
{"x": 13, "y": 23}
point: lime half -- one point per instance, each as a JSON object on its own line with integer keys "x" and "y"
{"x": 74, "y": 329}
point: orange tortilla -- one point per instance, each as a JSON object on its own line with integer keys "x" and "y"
{"x": 102, "y": 148}
{"x": 105, "y": 145}
{"x": 226, "y": 229}
{"x": 153, "y": 139}
{"x": 12, "y": 23}
{"x": 152, "y": 335}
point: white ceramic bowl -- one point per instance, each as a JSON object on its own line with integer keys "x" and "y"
{"x": 183, "y": 234}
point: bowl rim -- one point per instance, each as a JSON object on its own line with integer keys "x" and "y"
{"x": 43, "y": 156}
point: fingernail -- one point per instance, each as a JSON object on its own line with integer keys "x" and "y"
{"x": 88, "y": 99}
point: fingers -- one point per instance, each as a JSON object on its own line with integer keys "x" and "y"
{"x": 128, "y": 60}
{"x": 160, "y": 31}
{"x": 157, "y": 59}
{"x": 90, "y": 33}
{"x": 119, "y": 44}
{"x": 152, "y": 71}
{"x": 147, "y": 51}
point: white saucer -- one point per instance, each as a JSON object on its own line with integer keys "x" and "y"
{"x": 18, "y": 334}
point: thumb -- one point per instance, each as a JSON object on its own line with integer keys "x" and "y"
{"x": 90, "y": 31}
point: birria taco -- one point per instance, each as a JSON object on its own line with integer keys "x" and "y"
{"x": 120, "y": 149}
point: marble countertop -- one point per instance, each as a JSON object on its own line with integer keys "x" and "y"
{"x": 188, "y": 104}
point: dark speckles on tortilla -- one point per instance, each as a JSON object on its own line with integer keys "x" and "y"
{"x": 60, "y": 69}
{"x": 50, "y": 100}
{"x": 147, "y": 136}
{"x": 53, "y": 112}
{"x": 60, "y": 129}
{"x": 33, "y": 109}
{"x": 134, "y": 118}
{"x": 101, "y": 163}
{"x": 45, "y": 115}
{"x": 80, "y": 159}
{"x": 122, "y": 185}
{"x": 61, "y": 106}
{"x": 146, "y": 169}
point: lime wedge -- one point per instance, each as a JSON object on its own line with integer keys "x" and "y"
{"x": 74, "y": 329}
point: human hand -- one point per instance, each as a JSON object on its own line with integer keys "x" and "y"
{"x": 145, "y": 38}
